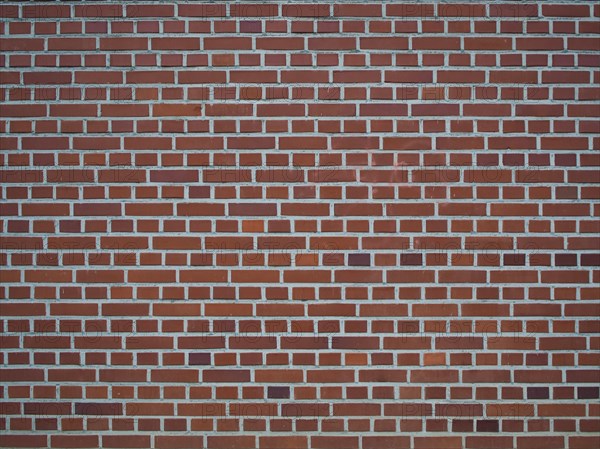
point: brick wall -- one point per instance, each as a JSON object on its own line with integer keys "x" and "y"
{"x": 287, "y": 225}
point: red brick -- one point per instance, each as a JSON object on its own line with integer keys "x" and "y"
{"x": 300, "y": 225}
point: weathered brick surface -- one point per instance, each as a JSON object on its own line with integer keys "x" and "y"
{"x": 300, "y": 225}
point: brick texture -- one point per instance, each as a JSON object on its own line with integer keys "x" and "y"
{"x": 327, "y": 224}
